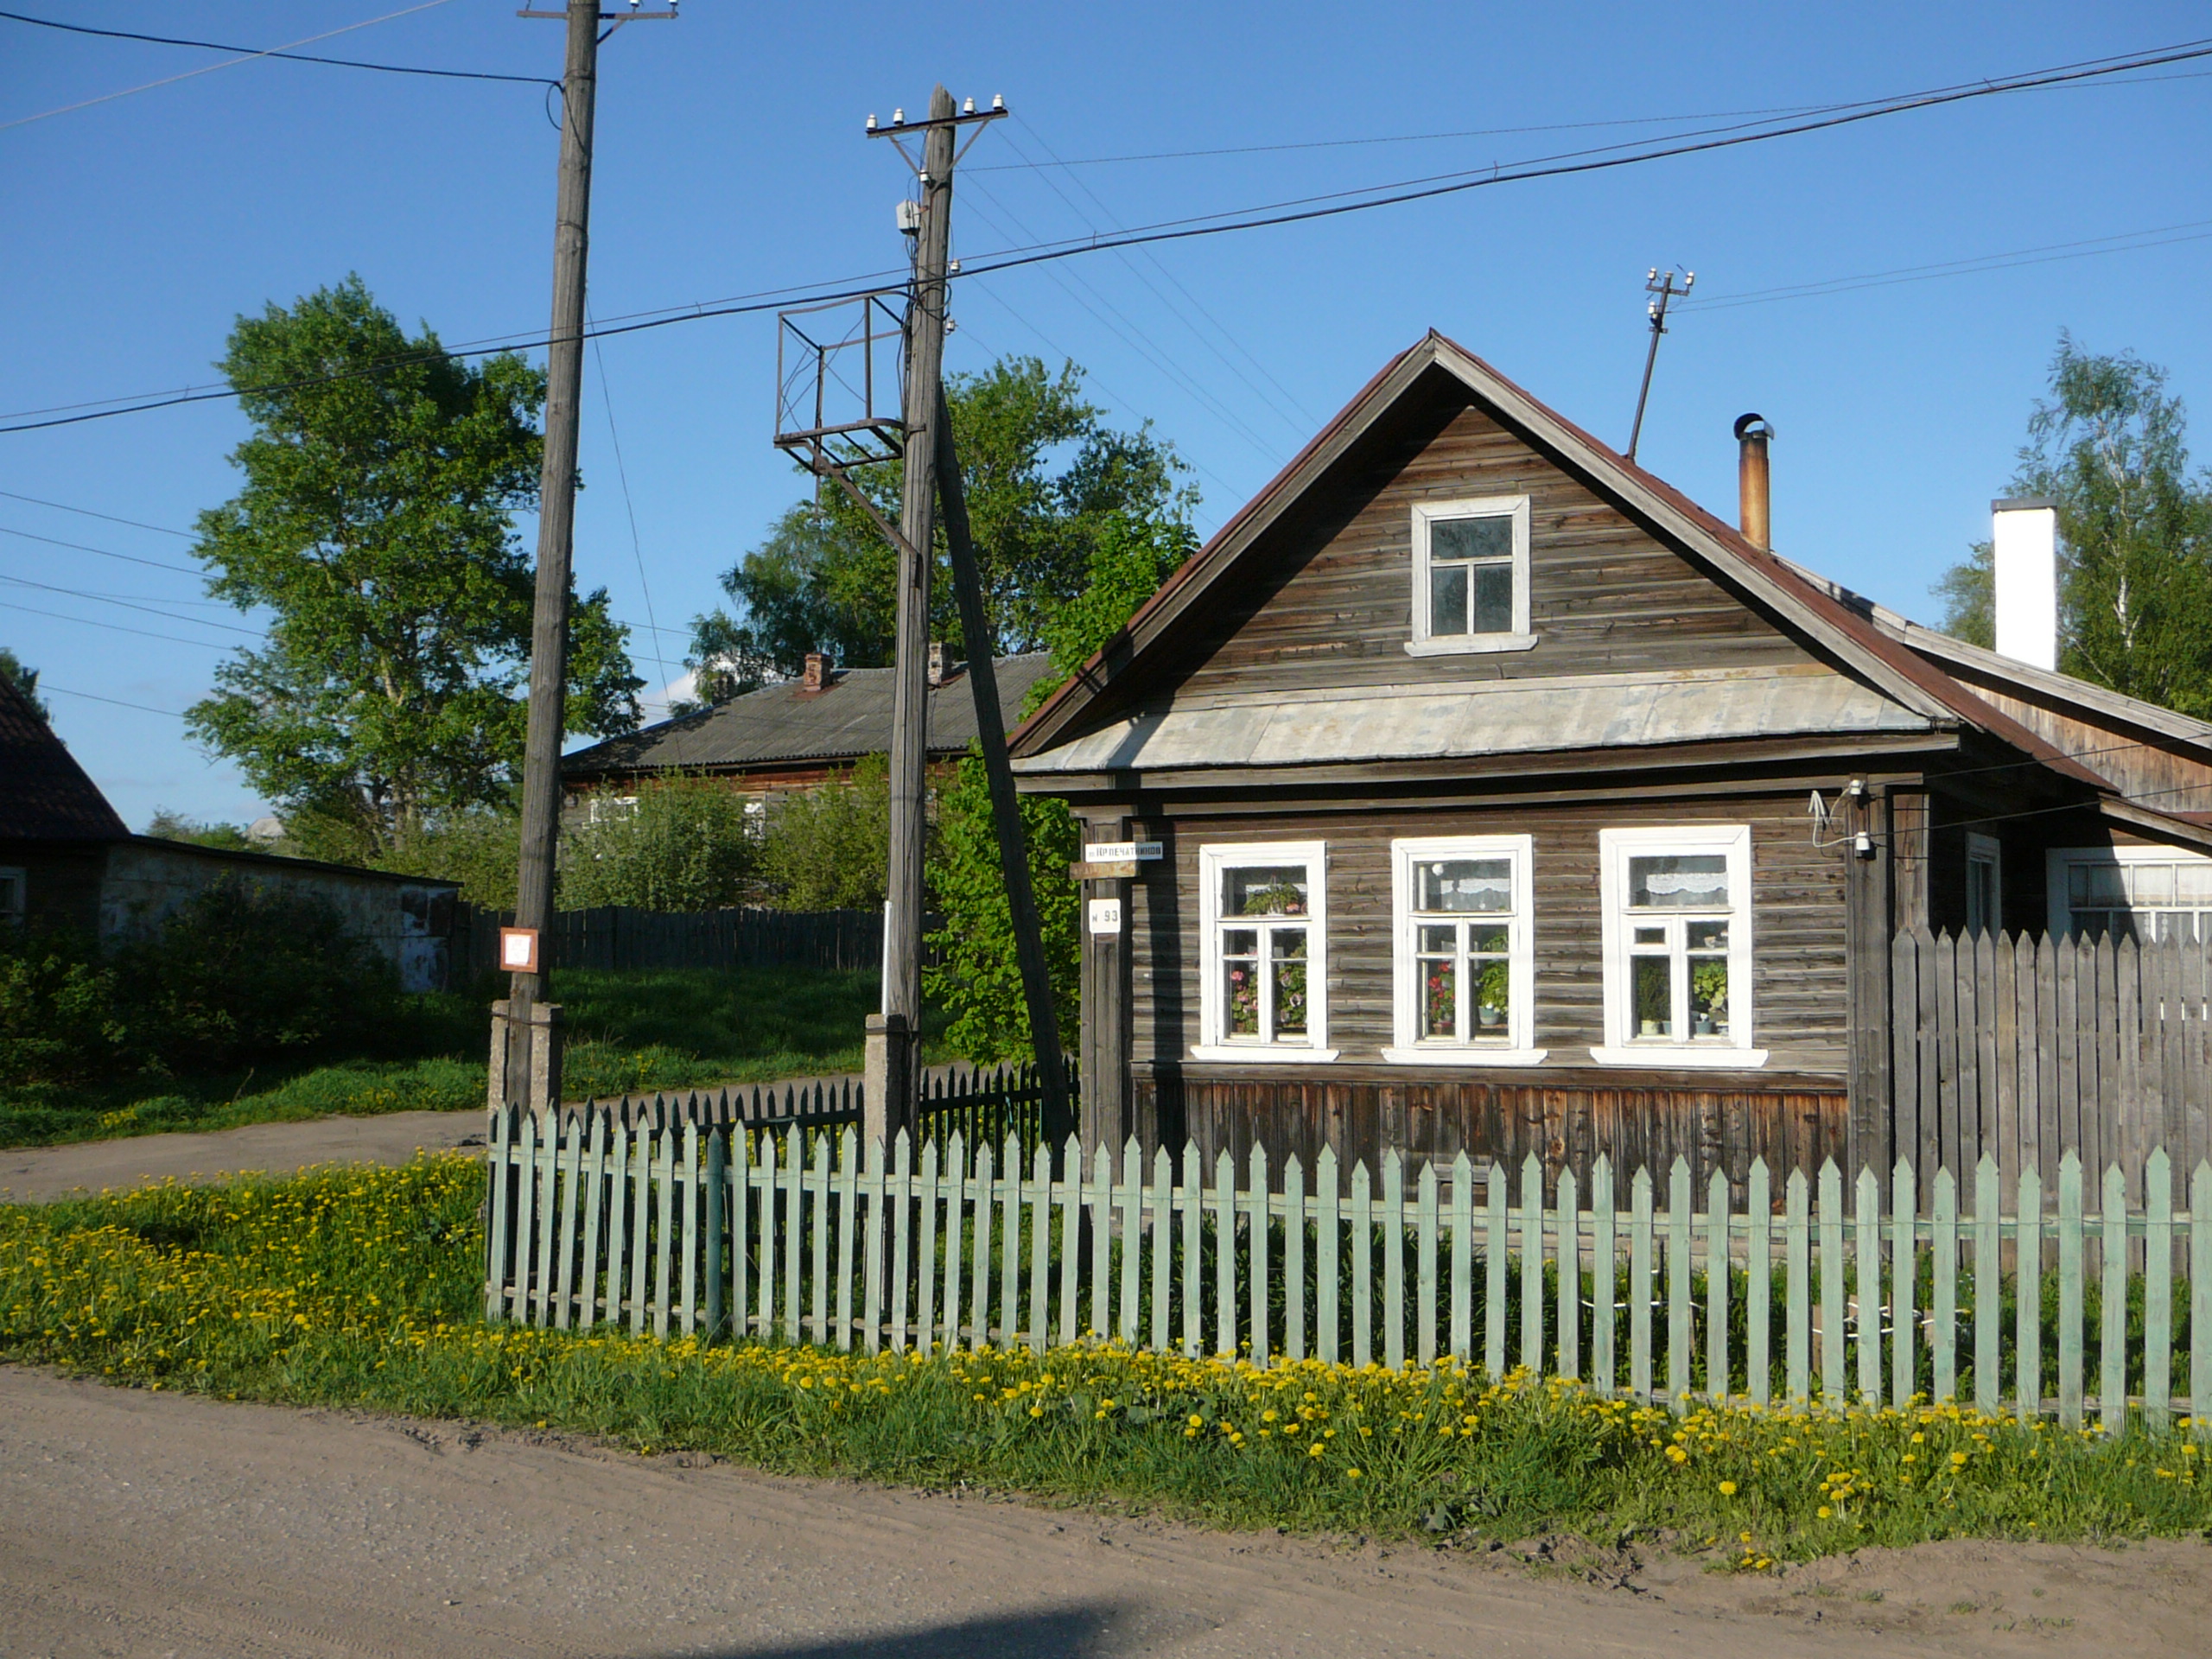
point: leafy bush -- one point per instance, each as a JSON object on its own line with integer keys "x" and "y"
{"x": 240, "y": 973}
{"x": 58, "y": 1019}
{"x": 829, "y": 850}
{"x": 976, "y": 977}
{"x": 479, "y": 849}
{"x": 686, "y": 847}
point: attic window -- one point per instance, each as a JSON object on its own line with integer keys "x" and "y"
{"x": 1471, "y": 576}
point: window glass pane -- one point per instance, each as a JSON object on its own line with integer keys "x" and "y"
{"x": 1489, "y": 538}
{"x": 1678, "y": 881}
{"x": 1289, "y": 975}
{"x": 1439, "y": 940}
{"x": 2097, "y": 884}
{"x": 1240, "y": 975}
{"x": 1264, "y": 890}
{"x": 2154, "y": 883}
{"x": 1439, "y": 997}
{"x": 1485, "y": 940}
{"x": 2193, "y": 884}
{"x": 1709, "y": 996}
{"x": 1653, "y": 990}
{"x": 1447, "y": 599}
{"x": 1466, "y": 884}
{"x": 1492, "y": 985}
{"x": 1493, "y": 606}
{"x": 1651, "y": 936}
{"x": 1707, "y": 936}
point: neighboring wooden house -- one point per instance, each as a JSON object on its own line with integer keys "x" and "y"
{"x": 67, "y": 861}
{"x": 1483, "y": 765}
{"x": 794, "y": 735}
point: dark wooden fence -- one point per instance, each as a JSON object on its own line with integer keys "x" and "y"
{"x": 618, "y": 937}
{"x": 983, "y": 1104}
{"x": 2029, "y": 1048}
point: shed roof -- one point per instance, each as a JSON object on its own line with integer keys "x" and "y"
{"x": 784, "y": 723}
{"x": 44, "y": 794}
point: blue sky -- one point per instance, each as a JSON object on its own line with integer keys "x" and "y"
{"x": 731, "y": 160}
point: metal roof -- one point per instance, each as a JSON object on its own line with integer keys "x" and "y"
{"x": 44, "y": 794}
{"x": 1485, "y": 717}
{"x": 785, "y": 723}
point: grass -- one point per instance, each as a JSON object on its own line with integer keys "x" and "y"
{"x": 672, "y": 1028}
{"x": 362, "y": 1288}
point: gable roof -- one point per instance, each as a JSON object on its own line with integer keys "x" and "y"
{"x": 1902, "y": 675}
{"x": 44, "y": 794}
{"x": 784, "y": 724}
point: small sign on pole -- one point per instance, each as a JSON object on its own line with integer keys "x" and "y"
{"x": 518, "y": 950}
{"x": 1106, "y": 917}
{"x": 1121, "y": 852}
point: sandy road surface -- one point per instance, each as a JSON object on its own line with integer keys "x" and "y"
{"x": 34, "y": 1174}
{"x": 134, "y": 1523}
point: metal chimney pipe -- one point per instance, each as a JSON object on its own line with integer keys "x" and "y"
{"x": 1752, "y": 435}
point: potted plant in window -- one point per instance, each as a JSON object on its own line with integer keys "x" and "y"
{"x": 1709, "y": 998}
{"x": 1491, "y": 990}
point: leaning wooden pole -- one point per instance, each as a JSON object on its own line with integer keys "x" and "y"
{"x": 1006, "y": 808}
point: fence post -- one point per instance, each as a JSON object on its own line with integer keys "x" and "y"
{"x": 2158, "y": 1290}
{"x": 2069, "y": 1291}
{"x": 1604, "y": 1276}
{"x": 1758, "y": 1284}
{"x": 1797, "y": 1375}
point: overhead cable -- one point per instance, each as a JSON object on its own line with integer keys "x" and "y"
{"x": 290, "y": 57}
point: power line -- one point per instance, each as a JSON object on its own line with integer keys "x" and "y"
{"x": 45, "y": 686}
{"x": 114, "y": 628}
{"x": 81, "y": 547}
{"x": 293, "y": 57}
{"x": 209, "y": 69}
{"x": 637, "y": 547}
{"x": 1294, "y": 211}
{"x": 133, "y": 605}
{"x": 2086, "y": 248}
{"x": 60, "y": 506}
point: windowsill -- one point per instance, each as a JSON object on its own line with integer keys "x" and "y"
{"x": 1663, "y": 1056}
{"x": 1270, "y": 1053}
{"x": 1470, "y": 1055}
{"x": 1470, "y": 644}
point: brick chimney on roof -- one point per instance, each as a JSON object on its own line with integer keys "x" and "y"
{"x": 817, "y": 674}
{"x": 939, "y": 668}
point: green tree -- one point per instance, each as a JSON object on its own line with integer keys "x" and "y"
{"x": 376, "y": 528}
{"x": 830, "y": 849}
{"x": 25, "y": 680}
{"x": 685, "y": 846}
{"x": 2135, "y": 529}
{"x": 975, "y": 976}
{"x": 1046, "y": 477}
{"x": 176, "y": 826}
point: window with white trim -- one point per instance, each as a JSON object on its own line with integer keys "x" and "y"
{"x": 1985, "y": 884}
{"x": 1263, "y": 912}
{"x": 1463, "y": 951}
{"x": 2140, "y": 892}
{"x": 1677, "y": 935}
{"x": 1471, "y": 576}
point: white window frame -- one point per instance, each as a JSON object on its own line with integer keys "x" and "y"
{"x": 15, "y": 893}
{"x": 1518, "y": 1046}
{"x": 1214, "y": 862}
{"x": 2058, "y": 860}
{"x": 1622, "y": 1047}
{"x": 1985, "y": 850}
{"x": 1427, "y": 513}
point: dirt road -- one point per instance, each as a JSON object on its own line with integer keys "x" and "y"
{"x": 134, "y": 1523}
{"x": 35, "y": 1174}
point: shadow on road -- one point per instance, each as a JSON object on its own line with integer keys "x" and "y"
{"x": 1081, "y": 1632}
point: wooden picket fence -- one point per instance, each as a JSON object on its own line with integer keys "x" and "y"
{"x": 2024, "y": 1047}
{"x": 799, "y": 1237}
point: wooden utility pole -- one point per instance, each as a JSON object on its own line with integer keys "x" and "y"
{"x": 894, "y": 1036}
{"x": 526, "y": 1060}
{"x": 1664, "y": 294}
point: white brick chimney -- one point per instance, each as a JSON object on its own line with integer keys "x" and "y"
{"x": 2024, "y": 537}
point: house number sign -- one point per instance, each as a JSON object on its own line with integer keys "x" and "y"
{"x": 1106, "y": 917}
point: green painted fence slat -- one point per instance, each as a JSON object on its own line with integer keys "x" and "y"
{"x": 1758, "y": 1285}
{"x": 1193, "y": 1238}
{"x": 1604, "y": 1374}
{"x": 2070, "y": 1295}
{"x": 1163, "y": 1246}
{"x": 1362, "y": 1265}
{"x": 571, "y": 1170}
{"x": 1868, "y": 1218}
{"x": 618, "y": 1213}
{"x": 1944, "y": 1292}
{"x": 1394, "y": 1260}
{"x": 875, "y": 1189}
{"x": 2111, "y": 1338}
{"x": 711, "y": 1245}
{"x": 818, "y": 1183}
{"x": 2200, "y": 1293}
{"x": 1716, "y": 1286}
{"x": 1678, "y": 1281}
{"x": 498, "y": 1240}
{"x": 1328, "y": 1225}
{"x": 1905, "y": 1257}
{"x": 688, "y": 1273}
{"x": 1494, "y": 1271}
{"x": 1101, "y": 1269}
{"x": 1224, "y": 1256}
{"x": 1294, "y": 1259}
{"x": 1072, "y": 1236}
{"x": 1567, "y": 1269}
{"x": 1531, "y": 1354}
{"x": 983, "y": 1183}
{"x": 1256, "y": 1228}
{"x": 1639, "y": 1287}
{"x": 1988, "y": 1282}
{"x": 925, "y": 1251}
{"x": 901, "y": 1206}
{"x": 1425, "y": 1265}
{"x": 1132, "y": 1238}
{"x": 2158, "y": 1290}
{"x": 665, "y": 1230}
{"x": 1836, "y": 1328}
{"x": 1797, "y": 1290}
{"x": 1462, "y": 1258}
{"x": 641, "y": 1228}
{"x": 2028, "y": 1297}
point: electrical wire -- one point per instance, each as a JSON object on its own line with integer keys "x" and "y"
{"x": 93, "y": 697}
{"x": 114, "y": 628}
{"x": 133, "y": 605}
{"x": 637, "y": 547}
{"x": 59, "y": 506}
{"x": 292, "y": 57}
{"x": 1296, "y": 211}
{"x": 2086, "y": 248}
{"x": 81, "y": 547}
{"x": 209, "y": 69}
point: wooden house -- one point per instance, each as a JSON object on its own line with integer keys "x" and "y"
{"x": 1506, "y": 799}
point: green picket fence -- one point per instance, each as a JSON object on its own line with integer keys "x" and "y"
{"x": 1862, "y": 1298}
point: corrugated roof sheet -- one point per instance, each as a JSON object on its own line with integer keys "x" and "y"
{"x": 44, "y": 794}
{"x": 780, "y": 724}
{"x": 1485, "y": 717}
